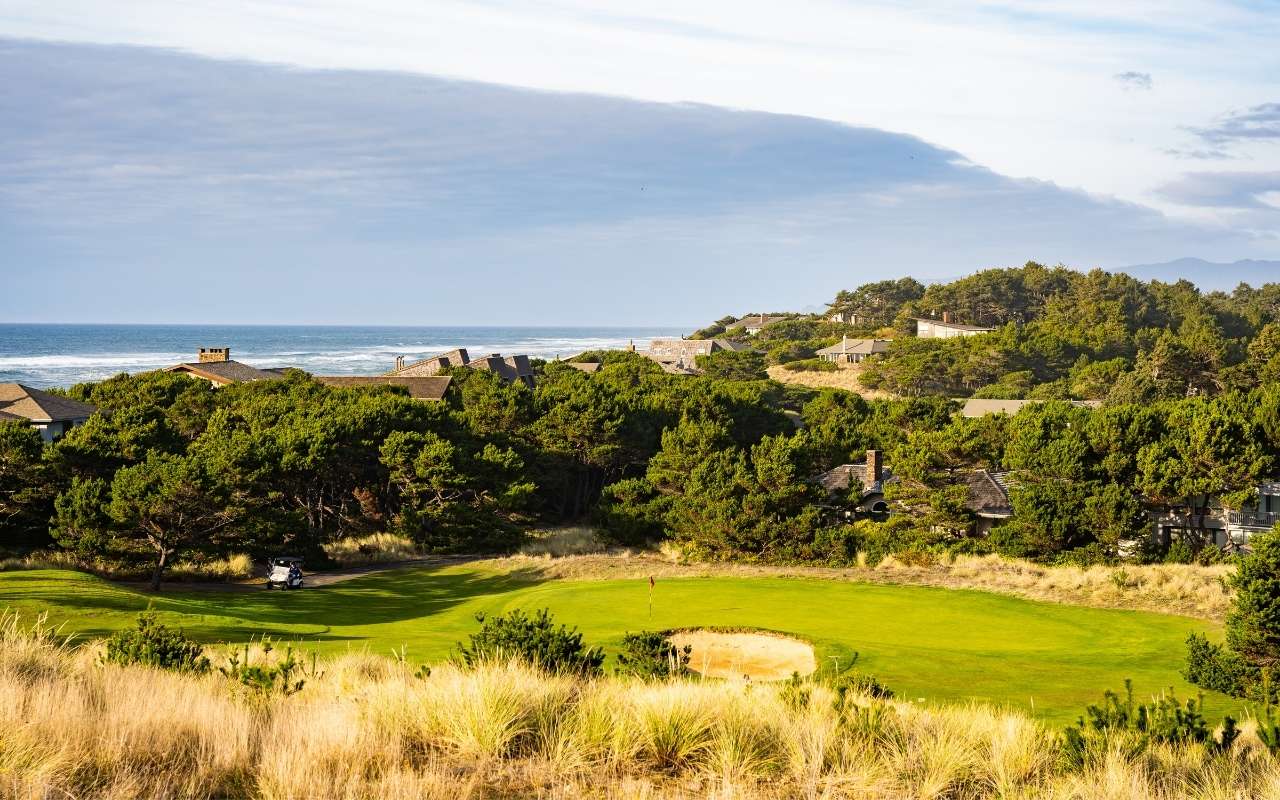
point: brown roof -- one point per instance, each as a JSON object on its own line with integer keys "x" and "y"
{"x": 23, "y": 402}
{"x": 424, "y": 388}
{"x": 989, "y": 494}
{"x": 757, "y": 321}
{"x": 840, "y": 479}
{"x": 584, "y": 366}
{"x": 226, "y": 371}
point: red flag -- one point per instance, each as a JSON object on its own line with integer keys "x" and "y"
{"x": 650, "y": 581}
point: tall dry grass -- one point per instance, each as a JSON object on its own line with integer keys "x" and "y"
{"x": 376, "y": 548}
{"x": 368, "y": 727}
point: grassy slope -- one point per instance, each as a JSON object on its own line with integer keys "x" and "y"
{"x": 938, "y": 644}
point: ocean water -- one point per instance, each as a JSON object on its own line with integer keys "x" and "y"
{"x": 62, "y": 355}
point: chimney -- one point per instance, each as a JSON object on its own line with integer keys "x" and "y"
{"x": 631, "y": 345}
{"x": 210, "y": 354}
{"x": 399, "y": 363}
{"x": 948, "y": 317}
{"x": 875, "y": 468}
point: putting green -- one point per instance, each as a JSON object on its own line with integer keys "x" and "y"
{"x": 925, "y": 643}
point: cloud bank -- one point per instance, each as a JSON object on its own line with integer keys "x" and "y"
{"x": 145, "y": 185}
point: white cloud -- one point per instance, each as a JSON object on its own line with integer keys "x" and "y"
{"x": 1021, "y": 87}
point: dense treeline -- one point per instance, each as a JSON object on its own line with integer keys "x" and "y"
{"x": 722, "y": 463}
{"x": 1060, "y": 334}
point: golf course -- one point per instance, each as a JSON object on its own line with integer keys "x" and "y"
{"x": 927, "y": 644}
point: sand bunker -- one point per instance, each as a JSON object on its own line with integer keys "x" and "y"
{"x": 758, "y": 656}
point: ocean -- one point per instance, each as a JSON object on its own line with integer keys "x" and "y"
{"x": 61, "y": 355}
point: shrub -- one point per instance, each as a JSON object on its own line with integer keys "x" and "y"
{"x": 280, "y": 677}
{"x": 1212, "y": 666}
{"x": 810, "y": 365}
{"x": 154, "y": 645}
{"x": 1165, "y": 720}
{"x": 861, "y": 683}
{"x": 651, "y": 654}
{"x": 1253, "y": 624}
{"x": 534, "y": 639}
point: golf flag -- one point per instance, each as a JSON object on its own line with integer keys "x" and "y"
{"x": 650, "y": 597}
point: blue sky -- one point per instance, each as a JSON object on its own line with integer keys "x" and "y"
{"x": 289, "y": 162}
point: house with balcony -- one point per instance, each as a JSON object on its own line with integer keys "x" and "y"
{"x": 1206, "y": 518}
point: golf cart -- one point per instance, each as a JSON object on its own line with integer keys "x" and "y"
{"x": 285, "y": 572}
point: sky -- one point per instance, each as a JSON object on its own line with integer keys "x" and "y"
{"x": 572, "y": 162}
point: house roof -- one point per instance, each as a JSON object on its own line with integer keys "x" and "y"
{"x": 857, "y": 347}
{"x": 226, "y": 371}
{"x": 700, "y": 346}
{"x": 953, "y": 325}
{"x": 839, "y": 479}
{"x": 23, "y": 402}
{"x": 989, "y": 494}
{"x": 757, "y": 321}
{"x": 424, "y": 388}
{"x": 979, "y": 407}
{"x": 584, "y": 366}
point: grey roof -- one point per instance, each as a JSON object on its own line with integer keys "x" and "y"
{"x": 584, "y": 366}
{"x": 979, "y": 407}
{"x": 421, "y": 388}
{"x": 857, "y": 347}
{"x": 23, "y": 402}
{"x": 227, "y": 371}
{"x": 758, "y": 320}
{"x": 989, "y": 494}
{"x": 839, "y": 479}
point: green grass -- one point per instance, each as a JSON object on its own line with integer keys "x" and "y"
{"x": 935, "y": 644}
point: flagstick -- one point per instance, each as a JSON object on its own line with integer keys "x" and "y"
{"x": 651, "y": 598}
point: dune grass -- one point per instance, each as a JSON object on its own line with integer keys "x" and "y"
{"x": 930, "y": 644}
{"x": 369, "y": 727}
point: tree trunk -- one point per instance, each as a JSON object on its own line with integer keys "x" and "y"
{"x": 158, "y": 572}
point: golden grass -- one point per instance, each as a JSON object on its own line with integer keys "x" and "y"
{"x": 1184, "y": 589}
{"x": 367, "y": 727}
{"x": 560, "y": 542}
{"x": 376, "y": 548}
{"x": 847, "y": 377}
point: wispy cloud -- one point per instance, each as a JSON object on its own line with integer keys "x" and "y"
{"x": 1131, "y": 80}
{"x": 1258, "y": 123}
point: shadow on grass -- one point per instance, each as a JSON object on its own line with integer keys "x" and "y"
{"x": 395, "y": 596}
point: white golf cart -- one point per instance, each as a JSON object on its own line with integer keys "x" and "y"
{"x": 285, "y": 572}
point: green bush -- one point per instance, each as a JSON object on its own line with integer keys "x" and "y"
{"x": 534, "y": 639}
{"x": 810, "y": 365}
{"x": 281, "y": 677}
{"x": 1212, "y": 666}
{"x": 1165, "y": 720}
{"x": 651, "y": 654}
{"x": 152, "y": 644}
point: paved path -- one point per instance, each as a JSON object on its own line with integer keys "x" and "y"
{"x": 311, "y": 580}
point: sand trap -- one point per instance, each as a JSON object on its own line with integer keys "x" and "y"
{"x": 758, "y": 656}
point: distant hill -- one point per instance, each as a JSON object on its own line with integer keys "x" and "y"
{"x": 1208, "y": 275}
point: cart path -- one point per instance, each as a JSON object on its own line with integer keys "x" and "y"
{"x": 311, "y": 580}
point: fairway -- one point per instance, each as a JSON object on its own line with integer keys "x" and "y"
{"x": 937, "y": 645}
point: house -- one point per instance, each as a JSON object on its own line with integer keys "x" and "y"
{"x": 511, "y": 369}
{"x": 589, "y": 367}
{"x": 980, "y": 407}
{"x": 871, "y": 477}
{"x": 680, "y": 356}
{"x": 1206, "y": 518}
{"x": 754, "y": 323}
{"x": 48, "y": 413}
{"x": 946, "y": 328}
{"x": 214, "y": 364}
{"x": 845, "y": 317}
{"x": 854, "y": 351}
{"x": 430, "y": 388}
{"x": 988, "y": 499}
